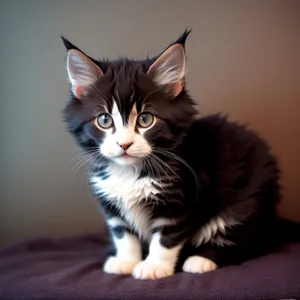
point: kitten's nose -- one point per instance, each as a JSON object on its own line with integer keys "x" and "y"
{"x": 125, "y": 146}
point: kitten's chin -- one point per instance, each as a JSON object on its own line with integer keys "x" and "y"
{"x": 126, "y": 160}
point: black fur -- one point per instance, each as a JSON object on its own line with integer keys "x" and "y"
{"x": 234, "y": 168}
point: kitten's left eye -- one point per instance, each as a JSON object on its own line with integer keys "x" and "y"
{"x": 145, "y": 120}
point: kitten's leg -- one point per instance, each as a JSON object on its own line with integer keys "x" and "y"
{"x": 161, "y": 260}
{"x": 128, "y": 249}
{"x": 245, "y": 242}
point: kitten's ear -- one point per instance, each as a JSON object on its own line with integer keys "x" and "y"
{"x": 168, "y": 69}
{"x": 82, "y": 71}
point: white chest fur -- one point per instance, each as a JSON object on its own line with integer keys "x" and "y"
{"x": 126, "y": 190}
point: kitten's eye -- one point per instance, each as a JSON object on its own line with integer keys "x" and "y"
{"x": 145, "y": 120}
{"x": 105, "y": 121}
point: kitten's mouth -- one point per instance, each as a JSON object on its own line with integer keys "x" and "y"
{"x": 126, "y": 159}
{"x": 124, "y": 155}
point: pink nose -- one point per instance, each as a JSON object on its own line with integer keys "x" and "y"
{"x": 125, "y": 146}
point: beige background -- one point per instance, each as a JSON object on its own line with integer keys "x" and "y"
{"x": 243, "y": 59}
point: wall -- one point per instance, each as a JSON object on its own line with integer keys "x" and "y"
{"x": 243, "y": 59}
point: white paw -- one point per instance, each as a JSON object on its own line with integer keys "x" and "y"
{"x": 115, "y": 265}
{"x": 198, "y": 264}
{"x": 149, "y": 270}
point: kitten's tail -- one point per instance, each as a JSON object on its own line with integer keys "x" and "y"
{"x": 288, "y": 231}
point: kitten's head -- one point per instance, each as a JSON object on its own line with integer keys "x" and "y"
{"x": 126, "y": 110}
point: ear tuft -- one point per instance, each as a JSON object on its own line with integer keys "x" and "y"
{"x": 82, "y": 71}
{"x": 67, "y": 43}
{"x": 182, "y": 39}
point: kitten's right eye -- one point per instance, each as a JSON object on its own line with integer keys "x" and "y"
{"x": 105, "y": 121}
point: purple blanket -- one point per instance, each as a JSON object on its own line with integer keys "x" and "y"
{"x": 70, "y": 268}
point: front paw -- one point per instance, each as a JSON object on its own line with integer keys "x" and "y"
{"x": 198, "y": 264}
{"x": 115, "y": 265}
{"x": 150, "y": 270}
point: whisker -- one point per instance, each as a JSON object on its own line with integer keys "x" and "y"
{"x": 83, "y": 160}
{"x": 166, "y": 165}
{"x": 156, "y": 167}
{"x": 160, "y": 167}
{"x": 94, "y": 164}
{"x": 80, "y": 163}
{"x": 181, "y": 160}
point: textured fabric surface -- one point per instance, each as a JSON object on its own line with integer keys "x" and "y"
{"x": 70, "y": 268}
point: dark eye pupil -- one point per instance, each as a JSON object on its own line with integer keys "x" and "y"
{"x": 105, "y": 119}
{"x": 144, "y": 117}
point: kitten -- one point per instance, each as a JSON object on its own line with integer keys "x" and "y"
{"x": 199, "y": 193}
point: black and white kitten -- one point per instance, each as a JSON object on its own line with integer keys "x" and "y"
{"x": 199, "y": 193}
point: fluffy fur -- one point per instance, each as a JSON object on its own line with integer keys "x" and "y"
{"x": 196, "y": 193}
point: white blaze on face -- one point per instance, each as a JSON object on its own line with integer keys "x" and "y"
{"x": 122, "y": 134}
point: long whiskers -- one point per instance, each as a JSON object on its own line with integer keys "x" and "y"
{"x": 93, "y": 164}
{"x": 80, "y": 160}
{"x": 165, "y": 165}
{"x": 181, "y": 160}
{"x": 160, "y": 168}
{"x": 91, "y": 159}
{"x": 152, "y": 166}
